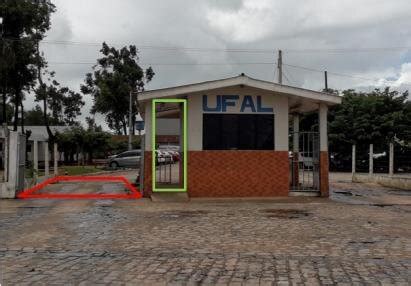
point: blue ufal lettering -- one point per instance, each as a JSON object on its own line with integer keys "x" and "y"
{"x": 247, "y": 103}
{"x": 217, "y": 108}
{"x": 228, "y": 100}
{"x": 261, "y": 108}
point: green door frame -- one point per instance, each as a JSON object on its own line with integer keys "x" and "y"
{"x": 153, "y": 144}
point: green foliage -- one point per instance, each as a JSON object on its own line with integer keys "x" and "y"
{"x": 78, "y": 140}
{"x": 24, "y": 23}
{"x": 34, "y": 117}
{"x": 375, "y": 117}
{"x": 116, "y": 74}
{"x": 79, "y": 170}
{"x": 63, "y": 103}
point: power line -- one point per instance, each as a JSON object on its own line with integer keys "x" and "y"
{"x": 229, "y": 50}
{"x": 343, "y": 75}
{"x": 243, "y": 63}
{"x": 171, "y": 64}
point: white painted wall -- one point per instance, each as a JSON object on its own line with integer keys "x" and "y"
{"x": 147, "y": 125}
{"x": 278, "y": 102}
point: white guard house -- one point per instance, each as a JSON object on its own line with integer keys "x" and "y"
{"x": 238, "y": 137}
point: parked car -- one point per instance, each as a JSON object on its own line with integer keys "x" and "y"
{"x": 126, "y": 159}
{"x": 168, "y": 158}
{"x": 172, "y": 150}
{"x": 160, "y": 158}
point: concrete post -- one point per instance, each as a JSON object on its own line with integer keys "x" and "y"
{"x": 322, "y": 123}
{"x": 36, "y": 158}
{"x": 6, "y": 153}
{"x": 371, "y": 164}
{"x": 56, "y": 159}
{"x": 46, "y": 159}
{"x": 353, "y": 159}
{"x": 322, "y": 128}
{"x": 391, "y": 167}
{"x": 9, "y": 190}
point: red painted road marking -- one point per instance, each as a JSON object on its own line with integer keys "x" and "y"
{"x": 29, "y": 193}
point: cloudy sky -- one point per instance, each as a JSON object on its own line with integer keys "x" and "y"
{"x": 362, "y": 44}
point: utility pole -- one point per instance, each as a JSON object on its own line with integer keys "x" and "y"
{"x": 4, "y": 90}
{"x": 280, "y": 67}
{"x": 130, "y": 116}
{"x": 326, "y": 81}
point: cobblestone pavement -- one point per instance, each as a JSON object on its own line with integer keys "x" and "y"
{"x": 237, "y": 242}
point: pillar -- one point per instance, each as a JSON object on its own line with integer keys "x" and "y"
{"x": 322, "y": 128}
{"x": 296, "y": 149}
{"x": 56, "y": 159}
{"x": 46, "y": 159}
{"x": 181, "y": 141}
{"x": 391, "y": 166}
{"x": 371, "y": 159}
{"x": 353, "y": 160}
{"x": 148, "y": 172}
{"x": 36, "y": 158}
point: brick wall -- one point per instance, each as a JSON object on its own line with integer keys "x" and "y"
{"x": 324, "y": 184}
{"x": 147, "y": 175}
{"x": 238, "y": 173}
{"x": 232, "y": 174}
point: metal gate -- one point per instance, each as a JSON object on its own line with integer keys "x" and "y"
{"x": 305, "y": 162}
{"x": 164, "y": 170}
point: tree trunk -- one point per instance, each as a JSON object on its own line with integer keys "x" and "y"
{"x": 4, "y": 96}
{"x": 90, "y": 157}
{"x": 16, "y": 109}
{"x": 22, "y": 117}
{"x": 124, "y": 123}
{"x": 42, "y": 89}
{"x": 134, "y": 124}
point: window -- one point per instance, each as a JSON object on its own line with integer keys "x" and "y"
{"x": 238, "y": 131}
{"x": 129, "y": 154}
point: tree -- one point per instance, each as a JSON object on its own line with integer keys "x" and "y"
{"x": 116, "y": 74}
{"x": 72, "y": 104}
{"x": 377, "y": 117}
{"x": 63, "y": 103}
{"x": 25, "y": 22}
{"x": 77, "y": 141}
{"x": 34, "y": 117}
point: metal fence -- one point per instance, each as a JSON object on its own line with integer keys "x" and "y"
{"x": 305, "y": 161}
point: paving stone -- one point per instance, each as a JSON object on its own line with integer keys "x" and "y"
{"x": 49, "y": 242}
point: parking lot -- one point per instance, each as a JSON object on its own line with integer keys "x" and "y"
{"x": 361, "y": 236}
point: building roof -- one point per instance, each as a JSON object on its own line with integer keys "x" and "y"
{"x": 242, "y": 80}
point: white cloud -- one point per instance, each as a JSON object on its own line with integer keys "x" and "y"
{"x": 248, "y": 24}
{"x": 405, "y": 75}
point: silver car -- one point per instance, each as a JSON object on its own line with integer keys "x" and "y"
{"x": 126, "y": 159}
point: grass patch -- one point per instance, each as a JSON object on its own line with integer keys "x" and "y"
{"x": 78, "y": 170}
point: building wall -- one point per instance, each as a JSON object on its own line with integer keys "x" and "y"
{"x": 232, "y": 174}
{"x": 236, "y": 173}
{"x": 195, "y": 116}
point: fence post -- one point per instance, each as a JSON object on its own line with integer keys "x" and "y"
{"x": 56, "y": 159}
{"x": 371, "y": 164}
{"x": 391, "y": 167}
{"x": 353, "y": 160}
{"x": 36, "y": 158}
{"x": 46, "y": 159}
